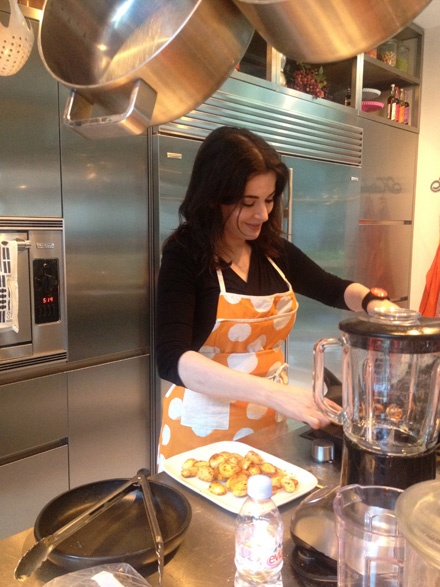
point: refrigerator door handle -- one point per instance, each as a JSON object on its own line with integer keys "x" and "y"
{"x": 287, "y": 212}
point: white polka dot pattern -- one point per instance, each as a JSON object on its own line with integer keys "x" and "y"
{"x": 248, "y": 336}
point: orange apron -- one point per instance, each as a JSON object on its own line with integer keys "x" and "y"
{"x": 248, "y": 336}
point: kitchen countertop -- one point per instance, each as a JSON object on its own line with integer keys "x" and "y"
{"x": 206, "y": 555}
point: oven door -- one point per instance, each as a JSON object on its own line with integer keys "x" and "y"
{"x": 12, "y": 343}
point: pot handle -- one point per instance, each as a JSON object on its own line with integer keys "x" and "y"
{"x": 136, "y": 100}
{"x": 336, "y": 416}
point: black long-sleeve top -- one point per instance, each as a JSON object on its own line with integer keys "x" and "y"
{"x": 187, "y": 299}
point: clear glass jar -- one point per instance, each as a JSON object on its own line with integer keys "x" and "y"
{"x": 402, "y": 61}
{"x": 387, "y": 52}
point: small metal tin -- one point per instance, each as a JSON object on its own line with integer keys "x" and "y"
{"x": 323, "y": 450}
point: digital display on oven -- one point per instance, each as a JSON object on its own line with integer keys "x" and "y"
{"x": 46, "y": 291}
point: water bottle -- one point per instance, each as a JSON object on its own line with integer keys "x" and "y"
{"x": 259, "y": 537}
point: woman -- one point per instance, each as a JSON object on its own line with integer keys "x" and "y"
{"x": 226, "y": 299}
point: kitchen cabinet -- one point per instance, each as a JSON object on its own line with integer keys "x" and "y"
{"x": 110, "y": 407}
{"x": 361, "y": 71}
{"x": 34, "y": 463}
{"x": 365, "y": 71}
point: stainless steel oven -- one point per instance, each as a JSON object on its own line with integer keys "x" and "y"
{"x": 33, "y": 327}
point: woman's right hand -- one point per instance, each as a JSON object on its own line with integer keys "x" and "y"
{"x": 299, "y": 404}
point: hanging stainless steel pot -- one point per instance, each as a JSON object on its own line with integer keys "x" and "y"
{"x": 323, "y": 31}
{"x": 135, "y": 64}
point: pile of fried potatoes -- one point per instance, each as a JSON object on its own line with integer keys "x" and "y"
{"x": 226, "y": 471}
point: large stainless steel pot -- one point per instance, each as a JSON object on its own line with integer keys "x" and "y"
{"x": 135, "y": 64}
{"x": 322, "y": 31}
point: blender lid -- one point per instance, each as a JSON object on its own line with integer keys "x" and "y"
{"x": 418, "y": 517}
{"x": 399, "y": 324}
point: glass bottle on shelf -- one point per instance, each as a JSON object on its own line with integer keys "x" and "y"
{"x": 391, "y": 103}
{"x": 396, "y": 106}
{"x": 402, "y": 106}
{"x": 347, "y": 99}
{"x": 406, "y": 111}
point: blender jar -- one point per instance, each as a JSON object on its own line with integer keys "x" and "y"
{"x": 390, "y": 382}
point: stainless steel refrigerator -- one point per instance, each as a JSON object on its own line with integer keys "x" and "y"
{"x": 322, "y": 219}
{"x": 387, "y": 208}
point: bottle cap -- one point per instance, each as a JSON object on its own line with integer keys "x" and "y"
{"x": 259, "y": 487}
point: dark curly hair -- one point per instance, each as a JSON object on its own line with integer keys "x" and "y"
{"x": 225, "y": 162}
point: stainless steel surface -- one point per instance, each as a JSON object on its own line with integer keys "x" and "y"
{"x": 110, "y": 408}
{"x": 107, "y": 213}
{"x": 22, "y": 500}
{"x": 179, "y": 53}
{"x": 293, "y": 124}
{"x": 386, "y": 210}
{"x": 39, "y": 552}
{"x": 321, "y": 32}
{"x": 206, "y": 555}
{"x": 39, "y": 400}
{"x": 29, "y": 138}
{"x": 324, "y": 207}
{"x": 33, "y": 445}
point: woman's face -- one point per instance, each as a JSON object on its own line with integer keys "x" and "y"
{"x": 243, "y": 221}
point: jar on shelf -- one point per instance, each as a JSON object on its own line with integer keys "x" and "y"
{"x": 387, "y": 52}
{"x": 402, "y": 60}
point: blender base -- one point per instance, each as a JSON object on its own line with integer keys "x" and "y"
{"x": 312, "y": 568}
{"x": 368, "y": 468}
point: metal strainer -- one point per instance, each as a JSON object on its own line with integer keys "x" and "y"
{"x": 16, "y": 41}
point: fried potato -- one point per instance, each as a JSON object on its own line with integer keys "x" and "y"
{"x": 205, "y": 473}
{"x": 229, "y": 472}
{"x": 289, "y": 484}
{"x": 216, "y": 460}
{"x": 237, "y": 484}
{"x": 276, "y": 482}
{"x": 189, "y": 463}
{"x": 254, "y": 457}
{"x": 189, "y": 472}
{"x": 254, "y": 469}
{"x": 268, "y": 469}
{"x": 217, "y": 488}
{"x": 227, "y": 469}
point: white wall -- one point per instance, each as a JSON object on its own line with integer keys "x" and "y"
{"x": 427, "y": 206}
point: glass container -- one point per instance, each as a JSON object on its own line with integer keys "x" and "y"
{"x": 402, "y": 60}
{"x": 387, "y": 52}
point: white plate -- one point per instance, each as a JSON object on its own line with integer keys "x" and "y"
{"x": 370, "y": 93}
{"x": 173, "y": 466}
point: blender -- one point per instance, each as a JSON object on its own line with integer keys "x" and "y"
{"x": 390, "y": 396}
{"x": 390, "y": 419}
